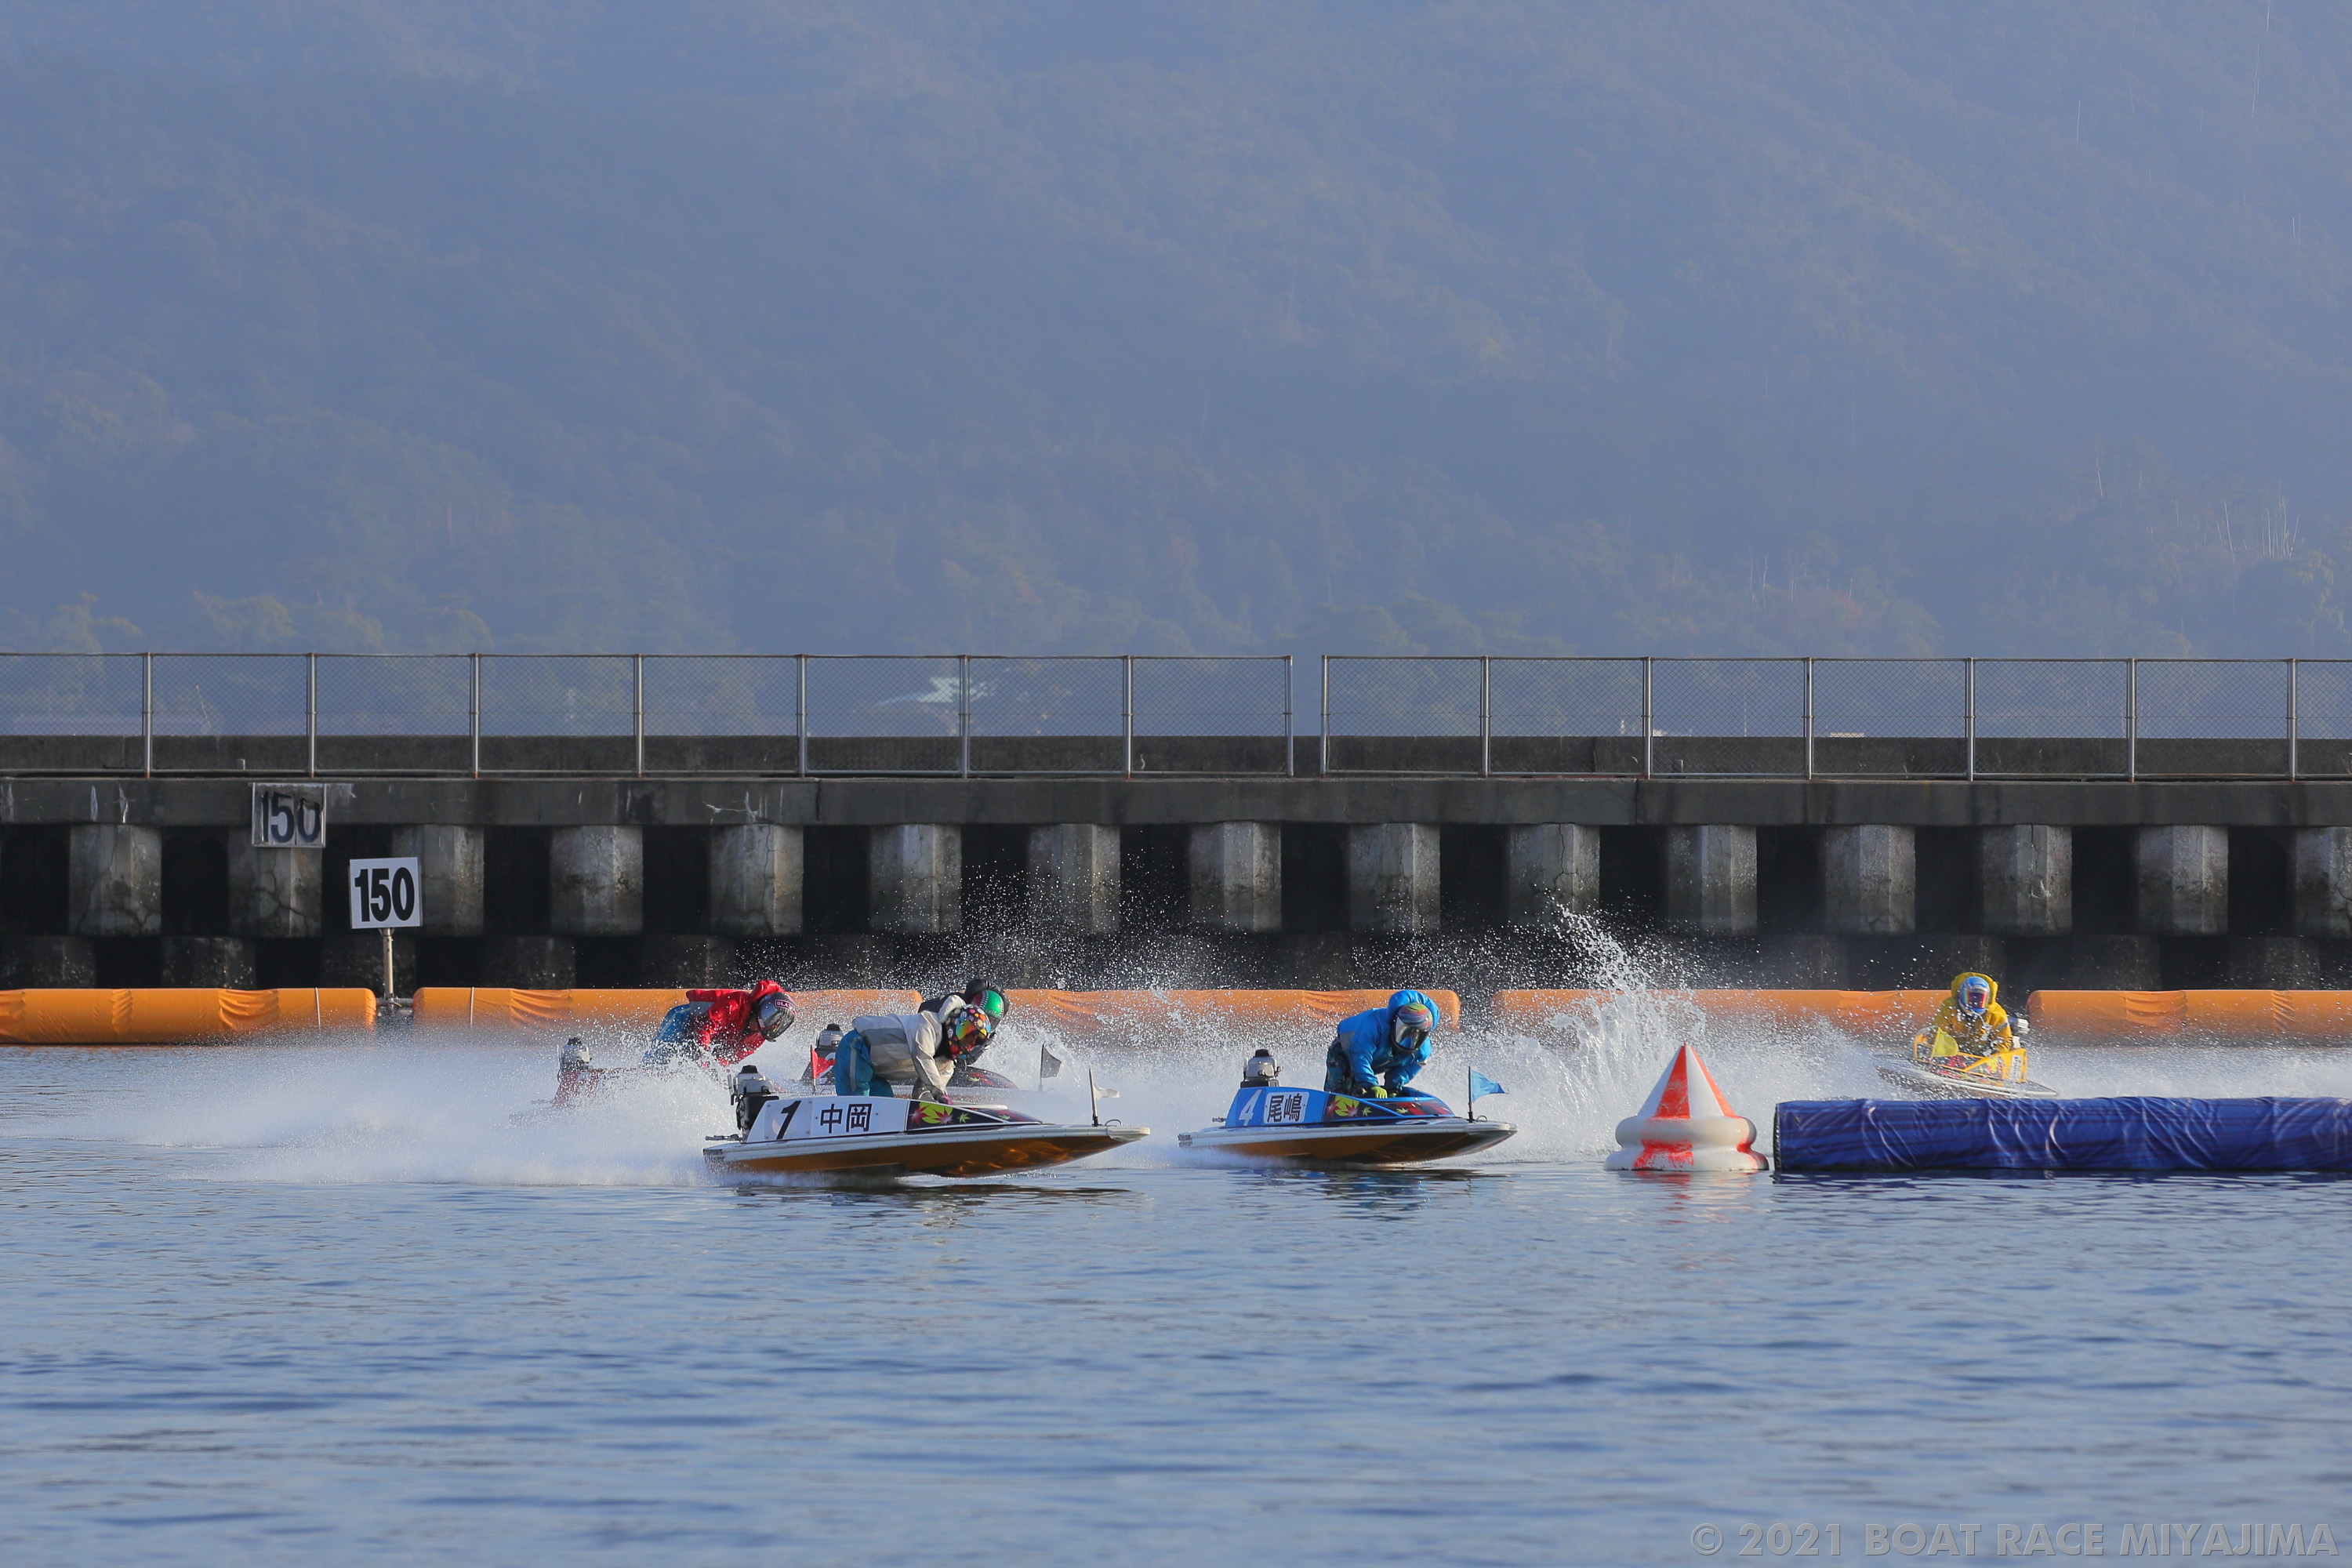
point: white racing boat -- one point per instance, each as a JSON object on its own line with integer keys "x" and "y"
{"x": 880, "y": 1135}
{"x": 1939, "y": 1069}
{"x": 1271, "y": 1122}
{"x": 1943, "y": 1083}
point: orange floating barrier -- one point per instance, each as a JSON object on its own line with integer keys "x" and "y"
{"x": 2148, "y": 1017}
{"x": 1863, "y": 1014}
{"x": 502, "y": 1007}
{"x": 162, "y": 1015}
{"x": 1079, "y": 1014}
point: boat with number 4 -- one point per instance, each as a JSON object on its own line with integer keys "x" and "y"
{"x": 881, "y": 1135}
{"x": 1272, "y": 1122}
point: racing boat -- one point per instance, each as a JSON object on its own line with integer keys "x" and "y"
{"x": 1939, "y": 1069}
{"x": 881, "y": 1135}
{"x": 1270, "y": 1121}
{"x": 578, "y": 1082}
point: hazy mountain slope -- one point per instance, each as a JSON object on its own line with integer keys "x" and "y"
{"x": 1788, "y": 328}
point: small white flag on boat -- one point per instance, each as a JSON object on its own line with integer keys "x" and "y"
{"x": 1105, "y": 1091}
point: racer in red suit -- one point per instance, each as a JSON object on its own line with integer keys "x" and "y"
{"x": 724, "y": 1026}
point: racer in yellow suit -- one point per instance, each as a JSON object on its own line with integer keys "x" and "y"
{"x": 1970, "y": 1033}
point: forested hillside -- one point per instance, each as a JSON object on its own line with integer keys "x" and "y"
{"x": 1212, "y": 325}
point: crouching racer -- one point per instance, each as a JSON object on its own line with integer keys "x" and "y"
{"x": 912, "y": 1053}
{"x": 721, "y": 1026}
{"x": 1378, "y": 1051}
{"x": 1969, "y": 1025}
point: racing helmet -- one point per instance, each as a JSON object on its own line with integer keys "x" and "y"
{"x": 988, "y": 999}
{"x": 1412, "y": 1021}
{"x": 1975, "y": 994}
{"x": 969, "y": 1029}
{"x": 773, "y": 1014}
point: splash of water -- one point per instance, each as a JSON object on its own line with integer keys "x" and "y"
{"x": 408, "y": 1108}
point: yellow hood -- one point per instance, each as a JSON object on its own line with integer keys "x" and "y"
{"x": 1992, "y": 988}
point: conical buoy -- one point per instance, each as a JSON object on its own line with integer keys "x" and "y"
{"x": 1684, "y": 1125}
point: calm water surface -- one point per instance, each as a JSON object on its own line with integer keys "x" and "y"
{"x": 244, "y": 1326}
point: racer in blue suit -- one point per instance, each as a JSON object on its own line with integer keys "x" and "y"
{"x": 1378, "y": 1051}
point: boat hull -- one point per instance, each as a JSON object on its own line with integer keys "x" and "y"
{"x": 1399, "y": 1142}
{"x": 948, "y": 1151}
{"x": 1934, "y": 1085}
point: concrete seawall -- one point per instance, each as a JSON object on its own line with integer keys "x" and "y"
{"x": 1238, "y": 881}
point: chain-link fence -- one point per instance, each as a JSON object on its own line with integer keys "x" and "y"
{"x": 950, "y": 715}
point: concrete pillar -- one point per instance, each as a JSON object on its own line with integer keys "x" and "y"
{"x": 1073, "y": 878}
{"x": 2184, "y": 881}
{"x": 356, "y": 957}
{"x": 224, "y": 960}
{"x": 597, "y": 881}
{"x": 1711, "y": 878}
{"x": 758, "y": 874}
{"x": 2025, "y": 876}
{"x": 2273, "y": 963}
{"x": 2081, "y": 962}
{"x": 2323, "y": 881}
{"x": 686, "y": 961}
{"x": 1550, "y": 868}
{"x": 1870, "y": 881}
{"x": 1392, "y": 878}
{"x": 449, "y": 876}
{"x": 65, "y": 963}
{"x": 529, "y": 962}
{"x": 275, "y": 893}
{"x": 914, "y": 877}
{"x": 115, "y": 881}
{"x": 1235, "y": 872}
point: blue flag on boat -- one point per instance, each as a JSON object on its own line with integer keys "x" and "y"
{"x": 1480, "y": 1085}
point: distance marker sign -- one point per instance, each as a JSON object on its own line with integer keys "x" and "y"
{"x": 384, "y": 894}
{"x": 290, "y": 816}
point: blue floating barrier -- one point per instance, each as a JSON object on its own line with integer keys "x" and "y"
{"x": 2126, "y": 1133}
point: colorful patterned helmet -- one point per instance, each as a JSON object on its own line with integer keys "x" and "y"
{"x": 969, "y": 1029}
{"x": 1413, "y": 1018}
{"x": 1975, "y": 994}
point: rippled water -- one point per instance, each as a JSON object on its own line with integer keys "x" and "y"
{"x": 326, "y": 1304}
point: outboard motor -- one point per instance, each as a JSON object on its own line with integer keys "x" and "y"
{"x": 828, "y": 1041}
{"x": 1261, "y": 1071}
{"x": 576, "y": 1074}
{"x": 750, "y": 1091}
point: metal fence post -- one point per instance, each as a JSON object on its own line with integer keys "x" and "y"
{"x": 1323, "y": 756}
{"x": 1485, "y": 715}
{"x": 1649, "y": 729}
{"x": 147, "y": 714}
{"x": 800, "y": 711}
{"x": 2294, "y": 715}
{"x": 311, "y": 713}
{"x": 638, "y": 706}
{"x": 2131, "y": 719}
{"x": 1127, "y": 710}
{"x": 964, "y": 714}
{"x": 1809, "y": 719}
{"x": 1968, "y": 714}
{"x": 474, "y": 711}
{"x": 1290, "y": 727}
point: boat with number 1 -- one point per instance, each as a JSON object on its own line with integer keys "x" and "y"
{"x": 882, "y": 1135}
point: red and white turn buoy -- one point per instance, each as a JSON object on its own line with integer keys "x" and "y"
{"x": 1686, "y": 1125}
